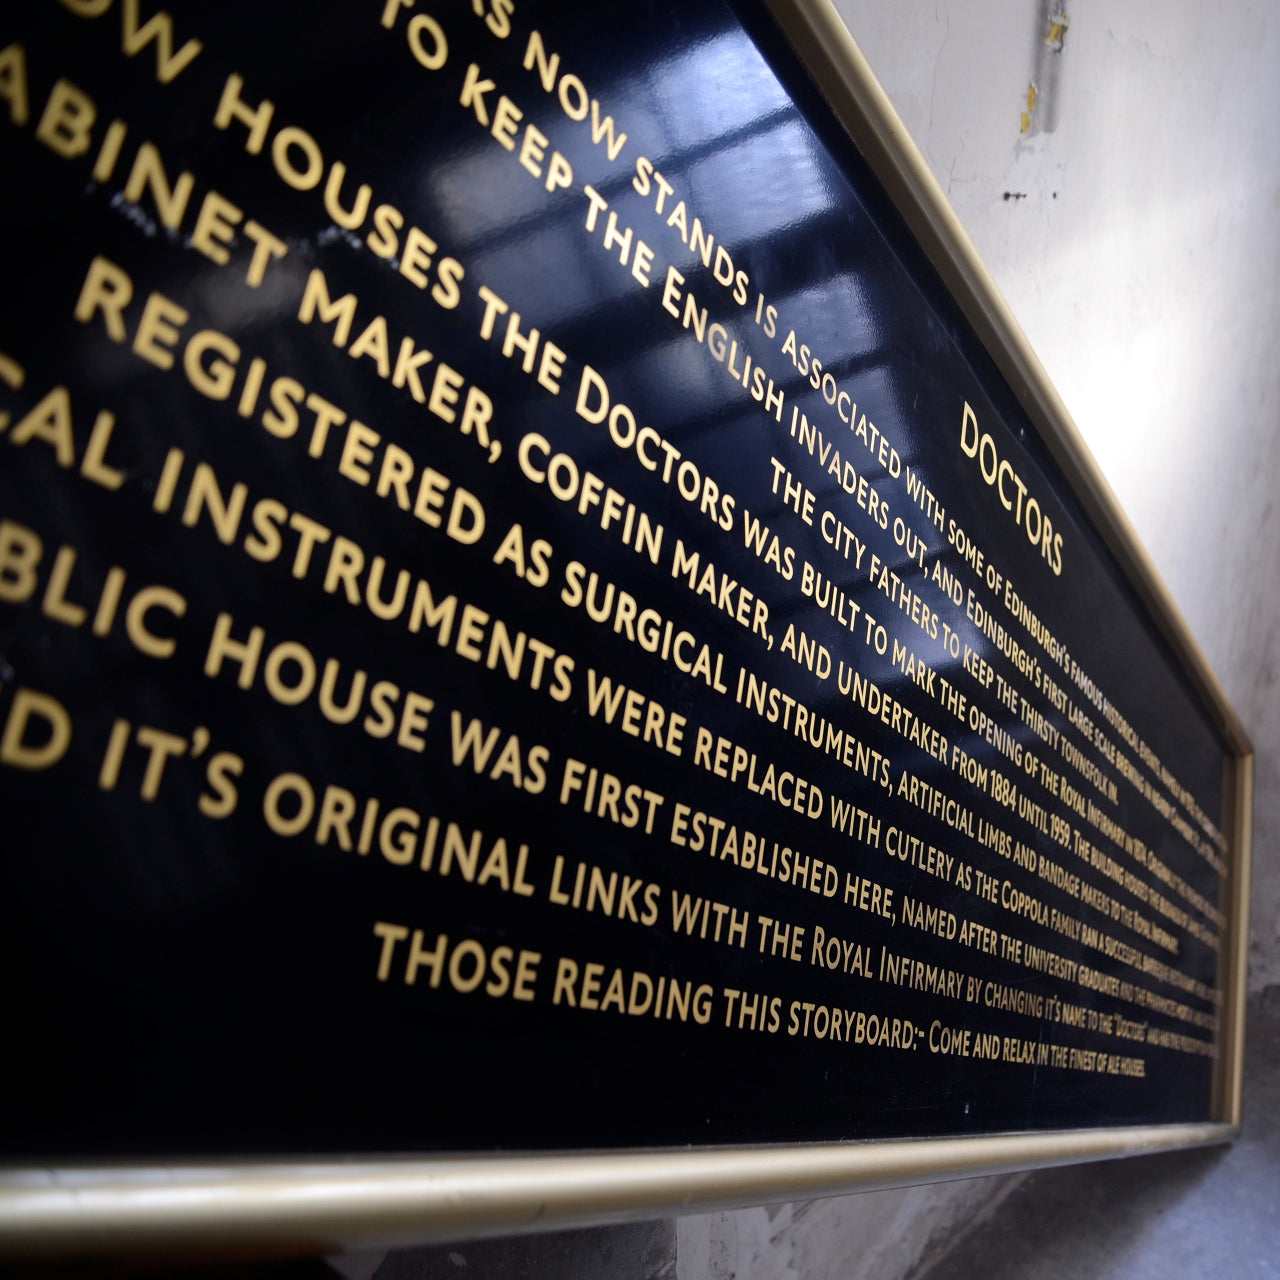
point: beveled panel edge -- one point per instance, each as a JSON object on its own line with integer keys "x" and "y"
{"x": 323, "y": 1206}
{"x": 1238, "y": 784}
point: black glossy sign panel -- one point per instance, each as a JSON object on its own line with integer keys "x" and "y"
{"x": 528, "y": 620}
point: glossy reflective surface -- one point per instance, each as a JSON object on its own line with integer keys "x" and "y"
{"x": 738, "y": 549}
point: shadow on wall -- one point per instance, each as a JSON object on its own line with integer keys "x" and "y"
{"x": 638, "y": 1251}
{"x": 1209, "y": 1212}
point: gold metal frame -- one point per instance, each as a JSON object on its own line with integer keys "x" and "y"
{"x": 322, "y": 1206}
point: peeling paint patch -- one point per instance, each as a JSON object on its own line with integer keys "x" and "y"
{"x": 1031, "y": 108}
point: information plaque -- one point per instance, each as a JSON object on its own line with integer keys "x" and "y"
{"x": 542, "y": 611}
